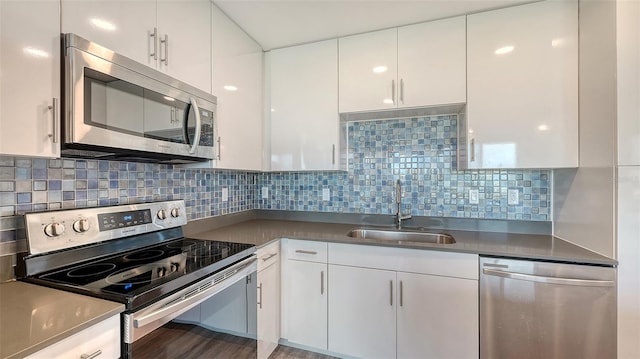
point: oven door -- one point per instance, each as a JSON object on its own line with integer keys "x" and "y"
{"x": 142, "y": 322}
{"x": 111, "y": 107}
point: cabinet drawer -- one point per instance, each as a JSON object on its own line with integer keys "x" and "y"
{"x": 104, "y": 337}
{"x": 451, "y": 264}
{"x": 268, "y": 255}
{"x": 311, "y": 251}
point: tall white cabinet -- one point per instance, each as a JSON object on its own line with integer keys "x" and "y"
{"x": 522, "y": 86}
{"x": 30, "y": 86}
{"x": 304, "y": 107}
{"x": 237, "y": 71}
{"x": 410, "y": 66}
{"x": 268, "y": 299}
{"x": 169, "y": 35}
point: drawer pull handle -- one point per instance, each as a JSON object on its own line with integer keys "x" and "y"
{"x": 306, "y": 252}
{"x": 92, "y": 355}
{"x": 260, "y": 296}
{"x": 322, "y": 283}
{"x": 266, "y": 258}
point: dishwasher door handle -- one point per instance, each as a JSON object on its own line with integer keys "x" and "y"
{"x": 548, "y": 280}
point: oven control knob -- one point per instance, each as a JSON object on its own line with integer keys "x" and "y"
{"x": 175, "y": 213}
{"x": 162, "y": 214}
{"x": 54, "y": 229}
{"x": 81, "y": 225}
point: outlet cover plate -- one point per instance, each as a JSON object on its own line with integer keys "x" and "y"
{"x": 265, "y": 192}
{"x": 326, "y": 194}
{"x": 225, "y": 194}
{"x": 513, "y": 197}
{"x": 474, "y": 197}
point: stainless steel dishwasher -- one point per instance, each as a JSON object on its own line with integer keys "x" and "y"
{"x": 532, "y": 309}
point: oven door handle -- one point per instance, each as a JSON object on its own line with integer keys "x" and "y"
{"x": 197, "y": 294}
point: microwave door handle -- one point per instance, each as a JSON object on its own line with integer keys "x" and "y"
{"x": 196, "y": 139}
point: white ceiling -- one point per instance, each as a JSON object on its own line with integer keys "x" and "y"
{"x": 280, "y": 23}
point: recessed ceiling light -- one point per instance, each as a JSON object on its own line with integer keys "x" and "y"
{"x": 230, "y": 88}
{"x": 169, "y": 98}
{"x": 387, "y": 101}
{"x": 543, "y": 128}
{"x": 504, "y": 50}
{"x": 103, "y": 24}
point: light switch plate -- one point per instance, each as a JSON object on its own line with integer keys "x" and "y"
{"x": 513, "y": 197}
{"x": 225, "y": 194}
{"x": 326, "y": 194}
{"x": 474, "y": 197}
{"x": 265, "y": 192}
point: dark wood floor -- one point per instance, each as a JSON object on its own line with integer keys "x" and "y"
{"x": 183, "y": 341}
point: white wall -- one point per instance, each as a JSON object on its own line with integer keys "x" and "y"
{"x": 584, "y": 198}
{"x": 628, "y": 87}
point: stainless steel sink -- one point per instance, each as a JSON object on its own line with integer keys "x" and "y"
{"x": 401, "y": 236}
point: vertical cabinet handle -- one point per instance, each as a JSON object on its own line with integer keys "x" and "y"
{"x": 321, "y": 282}
{"x": 333, "y": 154}
{"x": 154, "y": 35}
{"x": 55, "y": 134}
{"x": 260, "y": 296}
{"x": 219, "y": 148}
{"x": 391, "y": 293}
{"x": 165, "y": 41}
{"x": 92, "y": 355}
{"x": 393, "y": 91}
{"x": 401, "y": 301}
{"x": 402, "y": 90}
{"x": 473, "y": 149}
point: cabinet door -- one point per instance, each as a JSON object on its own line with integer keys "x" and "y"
{"x": 122, "y": 26}
{"x": 30, "y": 67}
{"x": 237, "y": 72}
{"x": 268, "y": 310}
{"x": 368, "y": 71}
{"x": 522, "y": 94}
{"x": 304, "y": 108}
{"x": 184, "y": 31}
{"x": 432, "y": 63}
{"x": 437, "y": 317}
{"x": 307, "y": 303}
{"x": 362, "y": 312}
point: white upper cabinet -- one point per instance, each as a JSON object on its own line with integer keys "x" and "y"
{"x": 368, "y": 71}
{"x": 304, "y": 107}
{"x": 30, "y": 68}
{"x": 411, "y": 66}
{"x": 125, "y": 27}
{"x": 171, "y": 36}
{"x": 522, "y": 86}
{"x": 432, "y": 67}
{"x": 184, "y": 41}
{"x": 237, "y": 71}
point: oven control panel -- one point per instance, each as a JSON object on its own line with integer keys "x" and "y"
{"x": 56, "y": 230}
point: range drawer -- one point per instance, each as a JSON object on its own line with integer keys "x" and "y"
{"x": 310, "y": 251}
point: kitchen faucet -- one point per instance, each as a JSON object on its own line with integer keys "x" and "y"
{"x": 399, "y": 216}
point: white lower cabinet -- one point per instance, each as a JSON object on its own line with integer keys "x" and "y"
{"x": 437, "y": 317}
{"x": 306, "y": 303}
{"x": 100, "y": 340}
{"x": 268, "y": 299}
{"x": 362, "y": 312}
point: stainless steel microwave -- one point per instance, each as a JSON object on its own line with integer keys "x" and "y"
{"x": 116, "y": 108}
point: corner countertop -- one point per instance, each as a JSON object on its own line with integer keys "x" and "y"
{"x": 513, "y": 245}
{"x": 33, "y": 317}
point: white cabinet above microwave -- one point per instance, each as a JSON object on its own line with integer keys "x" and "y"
{"x": 171, "y": 36}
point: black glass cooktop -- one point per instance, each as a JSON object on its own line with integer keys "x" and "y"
{"x": 127, "y": 275}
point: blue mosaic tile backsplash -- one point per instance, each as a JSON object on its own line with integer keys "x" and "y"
{"x": 421, "y": 152}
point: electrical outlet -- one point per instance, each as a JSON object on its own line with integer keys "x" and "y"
{"x": 265, "y": 192}
{"x": 474, "y": 197}
{"x": 326, "y": 194}
{"x": 225, "y": 194}
{"x": 513, "y": 197}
